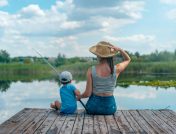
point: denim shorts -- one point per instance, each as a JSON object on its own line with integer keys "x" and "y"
{"x": 101, "y": 105}
{"x": 68, "y": 110}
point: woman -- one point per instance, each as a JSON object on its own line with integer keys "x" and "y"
{"x": 101, "y": 79}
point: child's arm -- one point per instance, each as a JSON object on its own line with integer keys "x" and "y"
{"x": 77, "y": 92}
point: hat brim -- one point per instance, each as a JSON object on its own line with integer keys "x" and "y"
{"x": 93, "y": 50}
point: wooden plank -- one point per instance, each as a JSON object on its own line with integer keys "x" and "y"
{"x": 160, "y": 122}
{"x": 172, "y": 112}
{"x": 96, "y": 129}
{"x": 57, "y": 125}
{"x": 136, "y": 127}
{"x": 25, "y": 124}
{"x": 68, "y": 124}
{"x": 164, "y": 118}
{"x": 123, "y": 124}
{"x": 167, "y": 117}
{"x": 152, "y": 122}
{"x": 141, "y": 121}
{"x": 30, "y": 121}
{"x": 102, "y": 124}
{"x": 15, "y": 117}
{"x": 15, "y": 121}
{"x": 36, "y": 122}
{"x": 169, "y": 114}
{"x": 78, "y": 125}
{"x": 47, "y": 123}
{"x": 111, "y": 125}
{"x": 88, "y": 124}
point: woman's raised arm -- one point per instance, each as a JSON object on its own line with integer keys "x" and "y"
{"x": 121, "y": 66}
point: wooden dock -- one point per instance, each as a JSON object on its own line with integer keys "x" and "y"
{"x": 29, "y": 121}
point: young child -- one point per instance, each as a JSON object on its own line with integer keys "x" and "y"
{"x": 68, "y": 93}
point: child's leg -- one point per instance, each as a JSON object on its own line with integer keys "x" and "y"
{"x": 56, "y": 105}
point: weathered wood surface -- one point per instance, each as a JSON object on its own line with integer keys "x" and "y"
{"x": 47, "y": 121}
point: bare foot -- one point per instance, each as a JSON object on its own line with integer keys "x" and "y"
{"x": 52, "y": 105}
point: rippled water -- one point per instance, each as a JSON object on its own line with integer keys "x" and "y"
{"x": 39, "y": 94}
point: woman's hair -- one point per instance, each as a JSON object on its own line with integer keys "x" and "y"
{"x": 109, "y": 61}
{"x": 111, "y": 64}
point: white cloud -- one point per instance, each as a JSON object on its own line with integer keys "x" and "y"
{"x": 132, "y": 9}
{"x": 63, "y": 6}
{"x": 51, "y": 29}
{"x": 133, "y": 38}
{"x": 137, "y": 42}
{"x": 32, "y": 20}
{"x": 32, "y": 10}
{"x": 70, "y": 25}
{"x": 3, "y": 3}
{"x": 168, "y": 1}
{"x": 172, "y": 14}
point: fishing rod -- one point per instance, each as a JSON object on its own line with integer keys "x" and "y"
{"x": 55, "y": 71}
{"x": 46, "y": 61}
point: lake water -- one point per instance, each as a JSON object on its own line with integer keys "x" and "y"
{"x": 15, "y": 96}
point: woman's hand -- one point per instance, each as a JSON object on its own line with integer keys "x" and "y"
{"x": 78, "y": 97}
{"x": 114, "y": 48}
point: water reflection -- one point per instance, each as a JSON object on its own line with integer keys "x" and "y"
{"x": 123, "y": 81}
{"x": 4, "y": 85}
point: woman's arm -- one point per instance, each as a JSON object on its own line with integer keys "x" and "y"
{"x": 121, "y": 66}
{"x": 88, "y": 90}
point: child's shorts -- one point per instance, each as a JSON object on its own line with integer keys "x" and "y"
{"x": 68, "y": 110}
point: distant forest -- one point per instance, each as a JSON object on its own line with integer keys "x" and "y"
{"x": 61, "y": 59}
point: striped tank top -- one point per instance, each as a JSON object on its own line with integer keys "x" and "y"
{"x": 103, "y": 84}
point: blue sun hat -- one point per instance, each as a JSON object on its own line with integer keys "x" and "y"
{"x": 65, "y": 76}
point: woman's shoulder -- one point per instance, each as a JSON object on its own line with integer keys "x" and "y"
{"x": 89, "y": 71}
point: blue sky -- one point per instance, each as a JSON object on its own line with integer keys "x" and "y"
{"x": 70, "y": 27}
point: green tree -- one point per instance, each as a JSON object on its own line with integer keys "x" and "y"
{"x": 4, "y": 56}
{"x": 60, "y": 60}
{"x": 137, "y": 54}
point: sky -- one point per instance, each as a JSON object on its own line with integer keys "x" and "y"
{"x": 70, "y": 27}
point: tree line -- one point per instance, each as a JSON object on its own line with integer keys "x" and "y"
{"x": 61, "y": 59}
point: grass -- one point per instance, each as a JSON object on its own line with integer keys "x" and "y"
{"x": 137, "y": 73}
{"x": 155, "y": 83}
{"x": 24, "y": 71}
{"x": 151, "y": 67}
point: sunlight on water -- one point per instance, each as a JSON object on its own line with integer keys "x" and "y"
{"x": 39, "y": 94}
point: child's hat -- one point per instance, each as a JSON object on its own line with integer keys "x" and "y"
{"x": 65, "y": 76}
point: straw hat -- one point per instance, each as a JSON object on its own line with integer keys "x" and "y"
{"x": 103, "y": 49}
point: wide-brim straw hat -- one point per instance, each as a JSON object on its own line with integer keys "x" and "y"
{"x": 103, "y": 49}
